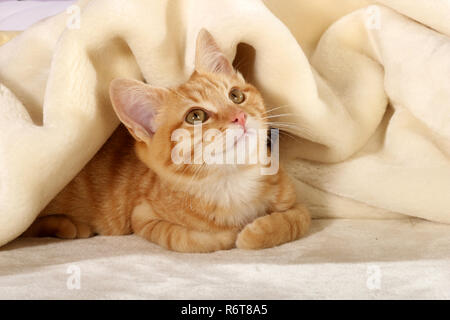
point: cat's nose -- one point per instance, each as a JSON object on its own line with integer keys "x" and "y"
{"x": 240, "y": 118}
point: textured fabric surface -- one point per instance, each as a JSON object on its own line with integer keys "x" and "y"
{"x": 366, "y": 88}
{"x": 374, "y": 259}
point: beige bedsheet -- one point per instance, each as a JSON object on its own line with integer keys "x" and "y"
{"x": 374, "y": 259}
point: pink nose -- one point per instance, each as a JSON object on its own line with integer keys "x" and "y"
{"x": 240, "y": 118}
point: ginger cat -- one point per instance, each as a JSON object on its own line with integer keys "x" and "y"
{"x": 182, "y": 207}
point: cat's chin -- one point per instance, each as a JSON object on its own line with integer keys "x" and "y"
{"x": 225, "y": 171}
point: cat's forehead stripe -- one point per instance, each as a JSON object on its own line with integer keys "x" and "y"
{"x": 214, "y": 84}
{"x": 196, "y": 91}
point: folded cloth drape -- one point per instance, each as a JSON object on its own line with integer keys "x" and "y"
{"x": 362, "y": 89}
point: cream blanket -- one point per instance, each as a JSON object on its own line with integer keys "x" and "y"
{"x": 380, "y": 259}
{"x": 368, "y": 88}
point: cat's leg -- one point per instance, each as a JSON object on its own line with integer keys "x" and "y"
{"x": 275, "y": 229}
{"x": 182, "y": 239}
{"x": 59, "y": 226}
{"x": 177, "y": 237}
{"x": 288, "y": 221}
{"x": 83, "y": 230}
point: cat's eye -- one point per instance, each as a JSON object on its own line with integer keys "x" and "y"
{"x": 196, "y": 115}
{"x": 237, "y": 96}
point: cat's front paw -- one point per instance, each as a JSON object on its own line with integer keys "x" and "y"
{"x": 259, "y": 234}
{"x": 275, "y": 229}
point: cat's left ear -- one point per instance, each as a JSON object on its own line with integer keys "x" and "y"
{"x": 136, "y": 104}
{"x": 209, "y": 58}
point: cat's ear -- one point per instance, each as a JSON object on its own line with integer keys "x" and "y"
{"x": 136, "y": 104}
{"x": 208, "y": 57}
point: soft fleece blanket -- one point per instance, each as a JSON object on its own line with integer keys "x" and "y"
{"x": 339, "y": 259}
{"x": 365, "y": 82}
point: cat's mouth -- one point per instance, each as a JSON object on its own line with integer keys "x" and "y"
{"x": 237, "y": 143}
{"x": 243, "y": 139}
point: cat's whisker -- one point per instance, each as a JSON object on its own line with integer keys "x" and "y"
{"x": 278, "y": 115}
{"x": 288, "y": 125}
{"x": 275, "y": 108}
{"x": 283, "y": 122}
{"x": 289, "y": 135}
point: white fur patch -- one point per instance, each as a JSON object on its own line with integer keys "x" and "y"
{"x": 237, "y": 190}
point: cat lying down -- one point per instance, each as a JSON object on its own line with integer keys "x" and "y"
{"x": 140, "y": 184}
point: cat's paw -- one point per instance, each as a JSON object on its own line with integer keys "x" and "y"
{"x": 226, "y": 240}
{"x": 52, "y": 226}
{"x": 259, "y": 234}
{"x": 275, "y": 229}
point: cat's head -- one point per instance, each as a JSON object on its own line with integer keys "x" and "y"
{"x": 215, "y": 96}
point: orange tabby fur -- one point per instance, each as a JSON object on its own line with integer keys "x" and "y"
{"x": 182, "y": 207}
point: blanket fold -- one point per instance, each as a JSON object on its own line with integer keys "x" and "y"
{"x": 362, "y": 89}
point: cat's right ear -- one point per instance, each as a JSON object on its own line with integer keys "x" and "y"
{"x": 136, "y": 104}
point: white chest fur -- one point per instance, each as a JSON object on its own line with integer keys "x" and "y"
{"x": 240, "y": 191}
